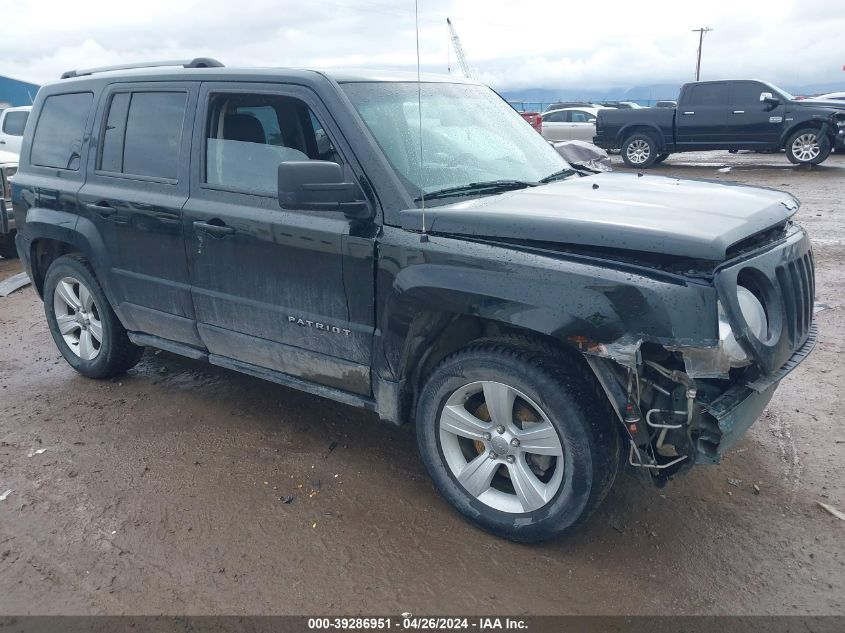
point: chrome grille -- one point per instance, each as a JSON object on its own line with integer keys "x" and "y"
{"x": 798, "y": 287}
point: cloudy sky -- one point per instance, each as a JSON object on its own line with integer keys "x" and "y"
{"x": 511, "y": 44}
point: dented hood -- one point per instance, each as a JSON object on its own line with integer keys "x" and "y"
{"x": 651, "y": 214}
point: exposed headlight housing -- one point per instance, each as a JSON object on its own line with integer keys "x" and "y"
{"x": 755, "y": 316}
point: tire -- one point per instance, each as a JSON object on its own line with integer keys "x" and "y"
{"x": 639, "y": 151}
{"x": 7, "y": 246}
{"x": 804, "y": 147}
{"x": 572, "y": 423}
{"x": 660, "y": 158}
{"x": 73, "y": 296}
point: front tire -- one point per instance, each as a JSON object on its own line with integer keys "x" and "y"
{"x": 639, "y": 151}
{"x": 517, "y": 439}
{"x": 806, "y": 147}
{"x": 82, "y": 322}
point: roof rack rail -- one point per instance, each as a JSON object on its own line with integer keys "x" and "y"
{"x": 197, "y": 62}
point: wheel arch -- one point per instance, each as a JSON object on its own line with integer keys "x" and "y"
{"x": 817, "y": 124}
{"x": 52, "y": 234}
{"x": 642, "y": 128}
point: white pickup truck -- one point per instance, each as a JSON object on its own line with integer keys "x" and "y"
{"x": 12, "y": 124}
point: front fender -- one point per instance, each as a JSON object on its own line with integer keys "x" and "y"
{"x": 551, "y": 294}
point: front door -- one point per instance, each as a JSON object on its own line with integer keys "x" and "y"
{"x": 751, "y": 122}
{"x": 136, "y": 185}
{"x": 267, "y": 283}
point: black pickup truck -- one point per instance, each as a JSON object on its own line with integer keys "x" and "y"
{"x": 540, "y": 327}
{"x": 731, "y": 115}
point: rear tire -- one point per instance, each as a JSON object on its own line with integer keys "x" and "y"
{"x": 83, "y": 324}
{"x": 639, "y": 151}
{"x": 481, "y": 400}
{"x": 805, "y": 147}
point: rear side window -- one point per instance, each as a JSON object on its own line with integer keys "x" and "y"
{"x": 708, "y": 95}
{"x": 60, "y": 130}
{"x": 143, "y": 134}
{"x": 15, "y": 122}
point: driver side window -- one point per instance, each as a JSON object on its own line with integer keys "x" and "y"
{"x": 249, "y": 135}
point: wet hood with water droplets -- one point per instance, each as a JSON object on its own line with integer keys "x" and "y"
{"x": 651, "y": 214}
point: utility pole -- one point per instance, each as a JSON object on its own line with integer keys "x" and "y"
{"x": 701, "y": 32}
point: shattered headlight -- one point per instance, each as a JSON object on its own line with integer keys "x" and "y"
{"x": 716, "y": 362}
{"x": 755, "y": 316}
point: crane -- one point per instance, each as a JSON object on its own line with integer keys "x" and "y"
{"x": 459, "y": 52}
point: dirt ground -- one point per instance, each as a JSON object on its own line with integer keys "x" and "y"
{"x": 164, "y": 491}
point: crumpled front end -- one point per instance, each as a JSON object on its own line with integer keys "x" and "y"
{"x": 684, "y": 403}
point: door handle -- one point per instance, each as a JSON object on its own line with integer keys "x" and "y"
{"x": 688, "y": 113}
{"x": 2, "y": 142}
{"x": 739, "y": 111}
{"x": 217, "y": 230}
{"x": 104, "y": 210}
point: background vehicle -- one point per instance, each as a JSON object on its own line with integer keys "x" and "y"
{"x": 12, "y": 124}
{"x": 570, "y": 124}
{"x": 539, "y": 328}
{"x": 666, "y": 104}
{"x": 731, "y": 115}
{"x": 560, "y": 105}
{"x": 534, "y": 119}
{"x": 620, "y": 105}
{"x": 8, "y": 167}
{"x": 830, "y": 96}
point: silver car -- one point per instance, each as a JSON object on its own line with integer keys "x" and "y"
{"x": 570, "y": 124}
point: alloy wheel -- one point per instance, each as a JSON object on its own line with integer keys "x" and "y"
{"x": 806, "y": 147}
{"x": 78, "y": 318}
{"x": 638, "y": 151}
{"x": 501, "y": 447}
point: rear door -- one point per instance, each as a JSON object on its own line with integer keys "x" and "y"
{"x": 269, "y": 284}
{"x": 136, "y": 186}
{"x": 752, "y": 123}
{"x": 702, "y": 115}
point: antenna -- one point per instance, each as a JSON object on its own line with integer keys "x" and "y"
{"x": 424, "y": 237}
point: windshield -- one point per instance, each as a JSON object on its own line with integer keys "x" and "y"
{"x": 469, "y": 135}
{"x": 784, "y": 93}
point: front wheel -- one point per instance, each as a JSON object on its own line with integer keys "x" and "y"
{"x": 639, "y": 150}
{"x": 806, "y": 147}
{"x": 82, "y": 322}
{"x": 517, "y": 439}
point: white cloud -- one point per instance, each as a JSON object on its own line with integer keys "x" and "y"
{"x": 512, "y": 45}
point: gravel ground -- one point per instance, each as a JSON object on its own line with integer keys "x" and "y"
{"x": 164, "y": 491}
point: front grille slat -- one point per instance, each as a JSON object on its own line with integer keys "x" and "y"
{"x": 798, "y": 287}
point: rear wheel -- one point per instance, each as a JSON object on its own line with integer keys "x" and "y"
{"x": 639, "y": 150}
{"x": 517, "y": 439}
{"x": 807, "y": 147}
{"x": 83, "y": 324}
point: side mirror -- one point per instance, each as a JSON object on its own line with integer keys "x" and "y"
{"x": 319, "y": 185}
{"x": 767, "y": 97}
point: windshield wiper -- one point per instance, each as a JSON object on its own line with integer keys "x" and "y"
{"x": 490, "y": 186}
{"x": 559, "y": 175}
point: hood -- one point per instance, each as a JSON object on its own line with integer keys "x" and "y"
{"x": 652, "y": 214}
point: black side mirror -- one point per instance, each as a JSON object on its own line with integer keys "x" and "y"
{"x": 319, "y": 185}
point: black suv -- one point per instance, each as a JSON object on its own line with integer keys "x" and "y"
{"x": 415, "y": 249}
